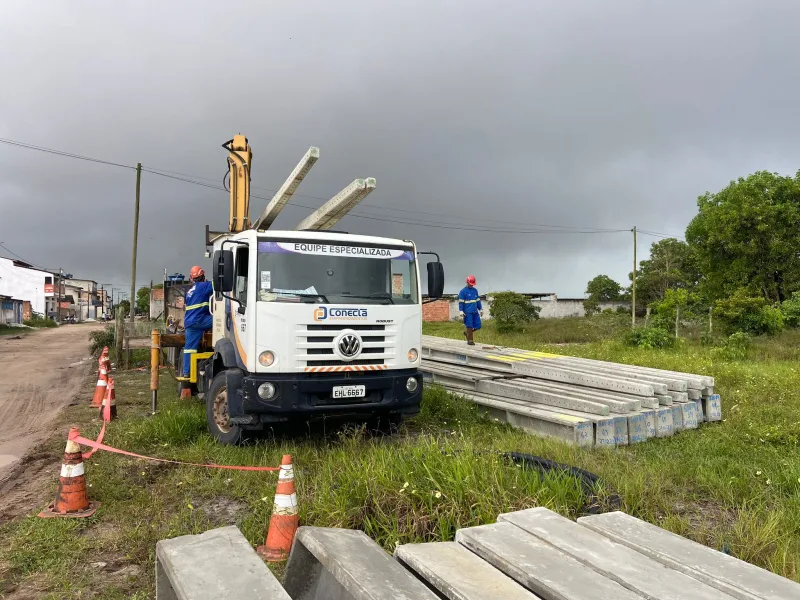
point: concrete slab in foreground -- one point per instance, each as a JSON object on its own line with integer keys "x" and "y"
{"x": 342, "y": 564}
{"x": 619, "y": 563}
{"x": 726, "y": 573}
{"x": 458, "y": 574}
{"x": 216, "y": 564}
{"x": 547, "y": 572}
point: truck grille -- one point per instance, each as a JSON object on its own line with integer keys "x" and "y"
{"x": 336, "y": 363}
{"x": 315, "y": 345}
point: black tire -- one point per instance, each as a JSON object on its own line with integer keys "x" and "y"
{"x": 222, "y": 430}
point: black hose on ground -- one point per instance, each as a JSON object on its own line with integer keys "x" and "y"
{"x": 589, "y": 481}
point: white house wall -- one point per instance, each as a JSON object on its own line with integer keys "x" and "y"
{"x": 23, "y": 284}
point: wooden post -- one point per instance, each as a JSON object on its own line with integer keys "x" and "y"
{"x": 710, "y": 323}
{"x": 647, "y": 316}
{"x": 155, "y": 355}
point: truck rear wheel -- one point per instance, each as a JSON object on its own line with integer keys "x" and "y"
{"x": 217, "y": 416}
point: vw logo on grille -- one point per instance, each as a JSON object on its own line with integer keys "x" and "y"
{"x": 349, "y": 345}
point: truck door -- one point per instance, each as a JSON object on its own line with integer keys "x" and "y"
{"x": 243, "y": 324}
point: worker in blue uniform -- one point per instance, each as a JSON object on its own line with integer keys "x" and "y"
{"x": 197, "y": 319}
{"x": 470, "y": 309}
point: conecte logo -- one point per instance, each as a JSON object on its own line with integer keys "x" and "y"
{"x": 340, "y": 314}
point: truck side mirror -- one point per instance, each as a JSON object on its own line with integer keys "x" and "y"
{"x": 435, "y": 279}
{"x": 223, "y": 271}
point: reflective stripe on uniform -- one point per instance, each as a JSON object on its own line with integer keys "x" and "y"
{"x": 469, "y": 301}
{"x": 193, "y": 306}
{"x": 189, "y": 351}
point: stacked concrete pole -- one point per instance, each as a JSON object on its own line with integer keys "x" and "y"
{"x": 583, "y": 401}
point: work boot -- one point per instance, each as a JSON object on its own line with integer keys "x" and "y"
{"x": 470, "y": 341}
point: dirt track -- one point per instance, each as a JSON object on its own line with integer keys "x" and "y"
{"x": 39, "y": 375}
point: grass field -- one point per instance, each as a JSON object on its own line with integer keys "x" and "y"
{"x": 734, "y": 486}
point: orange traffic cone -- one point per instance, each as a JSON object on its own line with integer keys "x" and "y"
{"x": 71, "y": 498}
{"x": 284, "y": 520}
{"x": 102, "y": 382}
{"x": 108, "y": 410}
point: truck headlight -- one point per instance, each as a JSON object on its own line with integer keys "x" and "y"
{"x": 266, "y": 358}
{"x": 266, "y": 391}
{"x": 412, "y": 384}
{"x": 413, "y": 355}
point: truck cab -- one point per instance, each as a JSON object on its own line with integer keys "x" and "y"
{"x": 312, "y": 324}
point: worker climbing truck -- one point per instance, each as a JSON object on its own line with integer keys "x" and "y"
{"x": 310, "y": 322}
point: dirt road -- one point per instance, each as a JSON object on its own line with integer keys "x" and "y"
{"x": 39, "y": 374}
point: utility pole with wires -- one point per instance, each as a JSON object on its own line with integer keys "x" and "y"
{"x": 633, "y": 284}
{"x": 133, "y": 260}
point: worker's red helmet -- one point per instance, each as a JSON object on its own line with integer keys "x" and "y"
{"x": 196, "y": 273}
{"x": 470, "y": 279}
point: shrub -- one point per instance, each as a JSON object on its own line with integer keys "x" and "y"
{"x": 750, "y": 314}
{"x": 591, "y": 307}
{"x": 39, "y": 320}
{"x": 769, "y": 320}
{"x": 791, "y": 310}
{"x": 101, "y": 339}
{"x": 649, "y": 337}
{"x": 512, "y": 311}
{"x": 736, "y": 346}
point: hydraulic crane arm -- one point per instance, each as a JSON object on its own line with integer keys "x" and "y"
{"x": 240, "y": 160}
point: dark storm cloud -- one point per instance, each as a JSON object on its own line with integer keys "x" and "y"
{"x": 503, "y": 115}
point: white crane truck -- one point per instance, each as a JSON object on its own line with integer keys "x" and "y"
{"x": 309, "y": 322}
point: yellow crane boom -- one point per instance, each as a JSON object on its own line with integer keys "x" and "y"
{"x": 240, "y": 158}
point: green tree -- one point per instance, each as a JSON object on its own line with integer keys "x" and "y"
{"x": 143, "y": 300}
{"x": 512, "y": 311}
{"x": 604, "y": 289}
{"x": 671, "y": 266}
{"x": 601, "y": 289}
{"x": 748, "y": 236}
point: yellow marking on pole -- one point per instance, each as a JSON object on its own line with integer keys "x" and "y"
{"x": 531, "y": 354}
{"x": 504, "y": 358}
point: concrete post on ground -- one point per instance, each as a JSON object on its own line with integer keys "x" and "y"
{"x": 155, "y": 355}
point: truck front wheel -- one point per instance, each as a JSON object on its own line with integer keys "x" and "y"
{"x": 217, "y": 416}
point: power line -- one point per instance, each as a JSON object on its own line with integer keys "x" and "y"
{"x": 660, "y": 235}
{"x": 460, "y": 227}
{"x": 184, "y": 177}
{"x": 14, "y": 253}
{"x": 193, "y": 179}
{"x": 62, "y": 153}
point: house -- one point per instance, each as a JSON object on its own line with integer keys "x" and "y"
{"x": 22, "y": 283}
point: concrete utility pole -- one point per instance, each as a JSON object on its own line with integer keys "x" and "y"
{"x": 633, "y": 286}
{"x": 133, "y": 259}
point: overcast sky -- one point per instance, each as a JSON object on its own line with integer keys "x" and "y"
{"x": 502, "y": 115}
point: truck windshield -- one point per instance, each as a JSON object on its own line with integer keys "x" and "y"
{"x": 323, "y": 273}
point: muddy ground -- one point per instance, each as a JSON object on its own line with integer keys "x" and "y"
{"x": 41, "y": 372}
